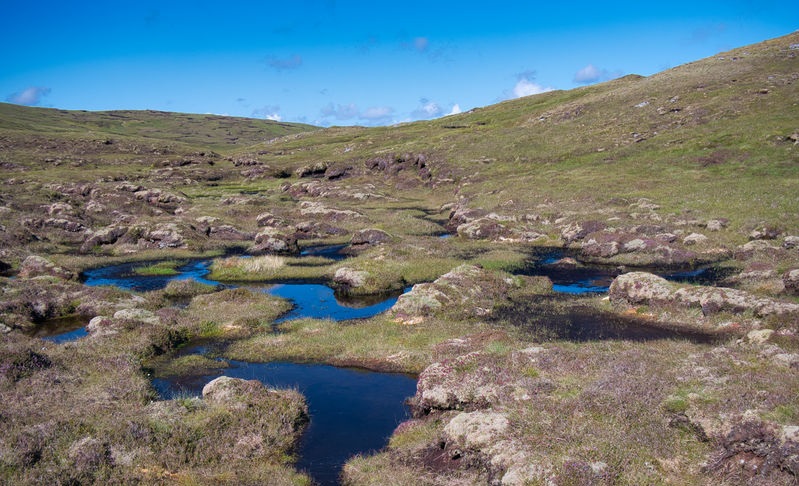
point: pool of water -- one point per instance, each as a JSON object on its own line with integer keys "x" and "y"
{"x": 352, "y": 411}
{"x": 61, "y": 330}
{"x": 596, "y": 279}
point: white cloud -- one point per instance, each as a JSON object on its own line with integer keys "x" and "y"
{"x": 456, "y": 108}
{"x": 30, "y": 96}
{"x": 269, "y": 112}
{"x": 592, "y": 74}
{"x": 426, "y": 109}
{"x": 377, "y": 113}
{"x": 588, "y": 74}
{"x": 526, "y": 87}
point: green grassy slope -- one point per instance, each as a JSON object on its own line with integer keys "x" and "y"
{"x": 207, "y": 131}
{"x": 711, "y": 136}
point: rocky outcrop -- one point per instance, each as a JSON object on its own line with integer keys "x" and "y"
{"x": 249, "y": 395}
{"x": 105, "y": 236}
{"x": 369, "y": 237}
{"x": 274, "y": 241}
{"x": 644, "y": 288}
{"x": 468, "y": 290}
{"x": 350, "y": 278}
{"x": 227, "y": 232}
{"x": 791, "y": 281}
{"x": 36, "y": 266}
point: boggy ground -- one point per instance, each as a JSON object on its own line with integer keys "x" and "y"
{"x": 694, "y": 165}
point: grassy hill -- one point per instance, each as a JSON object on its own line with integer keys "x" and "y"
{"x": 206, "y": 131}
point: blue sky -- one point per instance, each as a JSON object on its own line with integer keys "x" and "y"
{"x": 339, "y": 62}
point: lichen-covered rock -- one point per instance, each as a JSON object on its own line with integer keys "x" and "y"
{"x": 272, "y": 240}
{"x": 134, "y": 314}
{"x": 36, "y": 266}
{"x": 105, "y": 236}
{"x": 227, "y": 232}
{"x": 477, "y": 430}
{"x": 791, "y": 281}
{"x": 640, "y": 287}
{"x": 350, "y": 277}
{"x": 483, "y": 229}
{"x": 644, "y": 288}
{"x": 239, "y": 394}
{"x": 469, "y": 290}
{"x": 694, "y": 239}
{"x": 370, "y": 237}
{"x": 791, "y": 242}
{"x": 441, "y": 386}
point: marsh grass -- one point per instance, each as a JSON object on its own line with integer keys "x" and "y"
{"x": 162, "y": 268}
{"x": 270, "y": 268}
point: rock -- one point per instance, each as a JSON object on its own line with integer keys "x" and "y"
{"x": 636, "y": 244}
{"x": 791, "y": 281}
{"x": 106, "y": 236}
{"x": 166, "y": 236}
{"x": 350, "y": 277}
{"x": 468, "y": 290}
{"x": 765, "y": 233}
{"x": 102, "y": 326}
{"x": 369, "y": 237}
{"x": 716, "y": 224}
{"x": 141, "y": 315}
{"x": 482, "y": 229}
{"x": 791, "y": 242}
{"x": 640, "y": 288}
{"x": 313, "y": 208}
{"x": 267, "y": 219}
{"x": 694, "y": 239}
{"x": 565, "y": 263}
{"x": 228, "y": 233}
{"x": 248, "y": 396}
{"x": 790, "y": 360}
{"x": 424, "y": 299}
{"x": 759, "y": 336}
{"x": 272, "y": 240}
{"x": 603, "y": 249}
{"x": 578, "y": 231}
{"x": 477, "y": 430}
{"x": 315, "y": 170}
{"x": 36, "y": 266}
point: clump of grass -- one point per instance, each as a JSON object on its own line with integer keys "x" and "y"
{"x": 270, "y": 268}
{"x": 163, "y": 268}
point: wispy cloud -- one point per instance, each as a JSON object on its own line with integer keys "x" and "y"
{"x": 375, "y": 115}
{"x": 592, "y": 74}
{"x": 283, "y": 64}
{"x": 269, "y": 112}
{"x": 340, "y": 112}
{"x": 30, "y": 96}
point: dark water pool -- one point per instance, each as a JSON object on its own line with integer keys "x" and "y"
{"x": 61, "y": 330}
{"x": 596, "y": 279}
{"x": 352, "y": 411}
